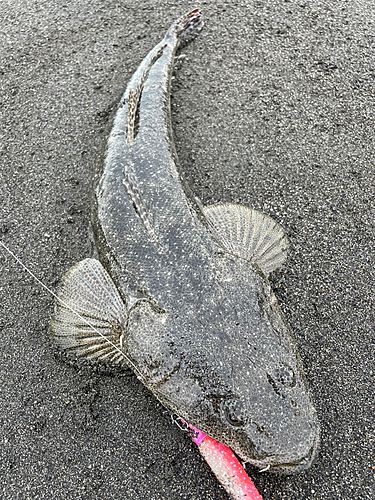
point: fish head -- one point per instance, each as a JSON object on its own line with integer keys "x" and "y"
{"x": 228, "y": 364}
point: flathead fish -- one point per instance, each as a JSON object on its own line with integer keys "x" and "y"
{"x": 180, "y": 292}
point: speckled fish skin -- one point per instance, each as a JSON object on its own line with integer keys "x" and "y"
{"x": 203, "y": 327}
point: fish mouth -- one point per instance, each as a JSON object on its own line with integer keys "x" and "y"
{"x": 288, "y": 467}
{"x": 298, "y": 465}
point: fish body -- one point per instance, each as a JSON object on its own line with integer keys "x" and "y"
{"x": 181, "y": 293}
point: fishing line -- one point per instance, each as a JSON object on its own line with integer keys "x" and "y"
{"x": 138, "y": 373}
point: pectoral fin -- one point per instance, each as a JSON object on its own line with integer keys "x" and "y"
{"x": 90, "y": 316}
{"x": 248, "y": 234}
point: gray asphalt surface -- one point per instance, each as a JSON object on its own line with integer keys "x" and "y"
{"x": 273, "y": 107}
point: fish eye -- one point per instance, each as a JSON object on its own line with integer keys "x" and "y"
{"x": 234, "y": 419}
{"x": 233, "y": 413}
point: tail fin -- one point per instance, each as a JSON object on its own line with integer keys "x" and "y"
{"x": 187, "y": 25}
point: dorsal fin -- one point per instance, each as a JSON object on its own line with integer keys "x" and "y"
{"x": 248, "y": 234}
{"x": 134, "y": 98}
{"x": 131, "y": 185}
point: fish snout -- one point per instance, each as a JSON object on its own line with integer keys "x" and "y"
{"x": 284, "y": 452}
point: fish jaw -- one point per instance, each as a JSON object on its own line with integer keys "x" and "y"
{"x": 282, "y": 447}
{"x": 277, "y": 466}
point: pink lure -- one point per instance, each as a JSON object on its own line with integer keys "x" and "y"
{"x": 225, "y": 466}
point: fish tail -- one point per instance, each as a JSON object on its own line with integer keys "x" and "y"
{"x": 187, "y": 25}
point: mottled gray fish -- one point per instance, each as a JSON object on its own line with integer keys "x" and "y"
{"x": 181, "y": 293}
